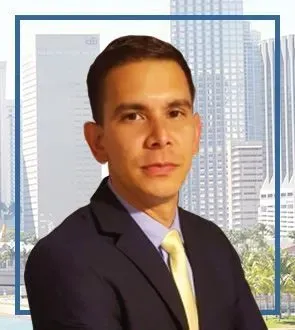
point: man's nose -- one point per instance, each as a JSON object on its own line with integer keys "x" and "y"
{"x": 158, "y": 136}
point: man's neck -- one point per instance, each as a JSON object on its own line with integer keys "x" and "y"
{"x": 163, "y": 212}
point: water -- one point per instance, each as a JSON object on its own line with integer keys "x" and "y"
{"x": 15, "y": 323}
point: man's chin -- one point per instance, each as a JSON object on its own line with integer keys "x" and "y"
{"x": 161, "y": 194}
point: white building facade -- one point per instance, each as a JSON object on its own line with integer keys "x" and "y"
{"x": 287, "y": 130}
{"x": 59, "y": 173}
{"x": 245, "y": 178}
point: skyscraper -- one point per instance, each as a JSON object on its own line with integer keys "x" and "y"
{"x": 2, "y": 119}
{"x": 8, "y": 156}
{"x": 10, "y": 142}
{"x": 59, "y": 172}
{"x": 287, "y": 130}
{"x": 215, "y": 53}
{"x": 254, "y": 85}
{"x": 28, "y": 150}
{"x": 245, "y": 177}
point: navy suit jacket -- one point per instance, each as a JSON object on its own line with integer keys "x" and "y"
{"x": 98, "y": 270}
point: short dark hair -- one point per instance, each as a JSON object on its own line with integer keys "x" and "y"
{"x": 128, "y": 49}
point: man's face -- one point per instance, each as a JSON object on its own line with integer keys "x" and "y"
{"x": 148, "y": 119}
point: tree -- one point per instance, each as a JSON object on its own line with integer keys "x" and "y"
{"x": 250, "y": 239}
{"x": 287, "y": 280}
{"x": 3, "y": 210}
{"x": 292, "y": 235}
{"x": 7, "y": 254}
{"x": 28, "y": 238}
{"x": 259, "y": 271}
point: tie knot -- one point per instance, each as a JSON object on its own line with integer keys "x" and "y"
{"x": 172, "y": 242}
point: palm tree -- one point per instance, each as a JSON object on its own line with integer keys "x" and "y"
{"x": 28, "y": 238}
{"x": 259, "y": 271}
{"x": 287, "y": 276}
{"x": 292, "y": 235}
{"x": 3, "y": 209}
{"x": 7, "y": 254}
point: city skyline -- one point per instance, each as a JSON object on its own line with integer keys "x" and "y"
{"x": 152, "y": 7}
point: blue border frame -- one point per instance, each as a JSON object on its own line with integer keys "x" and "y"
{"x": 276, "y": 18}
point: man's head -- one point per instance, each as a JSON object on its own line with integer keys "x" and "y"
{"x": 141, "y": 94}
{"x": 124, "y": 50}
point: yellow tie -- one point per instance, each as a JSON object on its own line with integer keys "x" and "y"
{"x": 172, "y": 244}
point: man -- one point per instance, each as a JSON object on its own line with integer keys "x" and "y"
{"x": 111, "y": 264}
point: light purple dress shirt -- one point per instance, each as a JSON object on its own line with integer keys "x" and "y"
{"x": 153, "y": 229}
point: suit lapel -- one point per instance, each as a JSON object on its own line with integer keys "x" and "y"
{"x": 134, "y": 244}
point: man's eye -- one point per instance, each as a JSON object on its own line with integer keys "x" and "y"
{"x": 175, "y": 113}
{"x": 130, "y": 116}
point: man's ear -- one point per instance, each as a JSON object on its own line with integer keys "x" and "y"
{"x": 93, "y": 134}
{"x": 198, "y": 130}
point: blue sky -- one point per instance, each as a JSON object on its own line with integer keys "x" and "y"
{"x": 9, "y": 8}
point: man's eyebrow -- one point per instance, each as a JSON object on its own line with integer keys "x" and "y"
{"x": 179, "y": 103}
{"x": 128, "y": 106}
{"x": 139, "y": 106}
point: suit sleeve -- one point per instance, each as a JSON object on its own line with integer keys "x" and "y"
{"x": 63, "y": 295}
{"x": 248, "y": 315}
